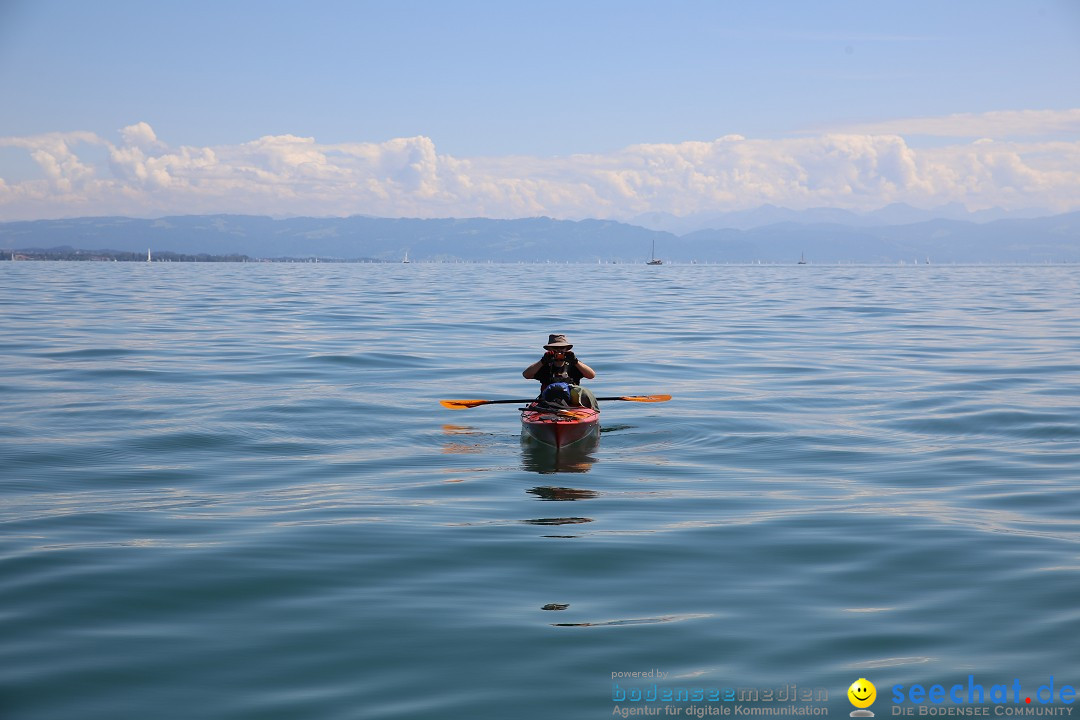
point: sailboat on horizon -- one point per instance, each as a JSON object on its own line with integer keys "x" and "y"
{"x": 655, "y": 260}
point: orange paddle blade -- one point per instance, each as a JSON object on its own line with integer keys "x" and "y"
{"x": 643, "y": 398}
{"x": 460, "y": 404}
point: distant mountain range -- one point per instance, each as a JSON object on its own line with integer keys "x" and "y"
{"x": 822, "y": 236}
{"x": 895, "y": 214}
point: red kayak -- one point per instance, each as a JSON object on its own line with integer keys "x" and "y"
{"x": 562, "y": 427}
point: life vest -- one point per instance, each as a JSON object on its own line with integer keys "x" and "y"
{"x": 559, "y": 373}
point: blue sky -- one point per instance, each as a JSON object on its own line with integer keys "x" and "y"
{"x": 485, "y": 83}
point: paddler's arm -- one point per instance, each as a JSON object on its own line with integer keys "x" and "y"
{"x": 530, "y": 372}
{"x": 586, "y": 372}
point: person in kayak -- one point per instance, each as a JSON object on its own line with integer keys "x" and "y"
{"x": 560, "y": 374}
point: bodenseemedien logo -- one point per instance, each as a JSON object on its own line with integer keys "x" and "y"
{"x": 862, "y": 694}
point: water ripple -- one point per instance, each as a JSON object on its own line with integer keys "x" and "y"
{"x": 232, "y": 487}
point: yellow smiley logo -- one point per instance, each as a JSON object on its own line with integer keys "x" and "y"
{"x": 862, "y": 693}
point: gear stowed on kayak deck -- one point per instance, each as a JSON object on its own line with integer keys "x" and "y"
{"x": 559, "y": 427}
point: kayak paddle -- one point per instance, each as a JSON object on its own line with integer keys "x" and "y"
{"x": 466, "y": 404}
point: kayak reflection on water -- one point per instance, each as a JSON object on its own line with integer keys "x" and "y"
{"x": 561, "y": 494}
{"x": 544, "y": 459}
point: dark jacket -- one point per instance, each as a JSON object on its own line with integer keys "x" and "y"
{"x": 559, "y": 372}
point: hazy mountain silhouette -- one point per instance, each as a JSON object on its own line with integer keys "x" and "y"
{"x": 895, "y": 214}
{"x": 1043, "y": 239}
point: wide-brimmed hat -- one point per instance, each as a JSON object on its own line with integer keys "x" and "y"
{"x": 557, "y": 342}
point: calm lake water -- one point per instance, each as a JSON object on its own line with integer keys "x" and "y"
{"x": 229, "y": 491}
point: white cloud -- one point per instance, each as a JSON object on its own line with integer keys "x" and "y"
{"x": 67, "y": 179}
{"x": 999, "y": 124}
{"x": 290, "y": 175}
{"x": 141, "y": 135}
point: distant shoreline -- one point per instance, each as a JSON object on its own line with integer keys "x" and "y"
{"x": 238, "y": 238}
{"x": 68, "y": 255}
{"x": 72, "y": 255}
